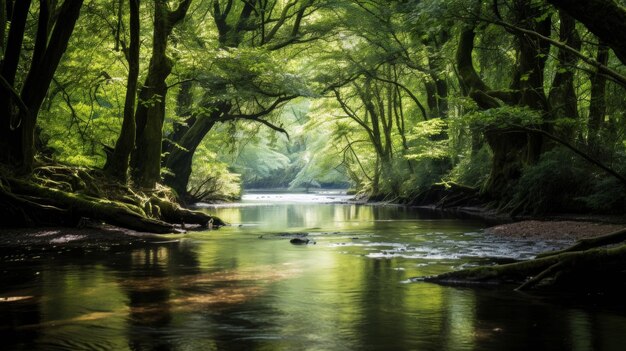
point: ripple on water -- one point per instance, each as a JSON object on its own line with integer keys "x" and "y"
{"x": 467, "y": 246}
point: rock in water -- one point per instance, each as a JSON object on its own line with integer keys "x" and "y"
{"x": 299, "y": 241}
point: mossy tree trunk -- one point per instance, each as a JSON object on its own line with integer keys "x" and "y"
{"x": 49, "y": 49}
{"x": 512, "y": 149}
{"x": 73, "y": 206}
{"x": 118, "y": 163}
{"x": 189, "y": 135}
{"x": 180, "y": 159}
{"x": 150, "y": 113}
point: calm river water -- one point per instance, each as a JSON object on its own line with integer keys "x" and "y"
{"x": 245, "y": 287}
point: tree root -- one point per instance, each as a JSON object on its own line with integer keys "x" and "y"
{"x": 173, "y": 213}
{"x": 594, "y": 269}
{"x": 78, "y": 205}
{"x": 62, "y": 195}
{"x": 590, "y": 243}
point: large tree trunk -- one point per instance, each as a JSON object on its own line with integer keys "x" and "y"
{"x": 179, "y": 161}
{"x": 533, "y": 54}
{"x": 189, "y": 136}
{"x": 509, "y": 150}
{"x": 118, "y": 163}
{"x": 18, "y": 129}
{"x": 604, "y": 18}
{"x": 150, "y": 114}
{"x": 512, "y": 150}
{"x": 184, "y": 102}
{"x": 10, "y": 116}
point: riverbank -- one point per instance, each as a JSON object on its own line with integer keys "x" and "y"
{"x": 570, "y": 227}
{"x": 94, "y": 236}
{"x": 553, "y": 230}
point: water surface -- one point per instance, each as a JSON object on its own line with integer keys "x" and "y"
{"x": 245, "y": 287}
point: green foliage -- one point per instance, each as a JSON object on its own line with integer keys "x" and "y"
{"x": 249, "y": 72}
{"x": 260, "y": 160}
{"x": 472, "y": 169}
{"x": 606, "y": 195}
{"x": 503, "y": 117}
{"x": 369, "y": 71}
{"x": 553, "y": 185}
{"x": 211, "y": 179}
{"x": 427, "y": 142}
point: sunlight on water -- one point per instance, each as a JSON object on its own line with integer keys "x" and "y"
{"x": 247, "y": 287}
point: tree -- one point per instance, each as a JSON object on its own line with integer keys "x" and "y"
{"x": 118, "y": 162}
{"x": 512, "y": 149}
{"x": 604, "y": 18}
{"x": 150, "y": 113}
{"x": 266, "y": 26}
{"x": 19, "y": 111}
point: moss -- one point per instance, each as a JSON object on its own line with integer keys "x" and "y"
{"x": 596, "y": 269}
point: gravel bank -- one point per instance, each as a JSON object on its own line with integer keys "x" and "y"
{"x": 552, "y": 230}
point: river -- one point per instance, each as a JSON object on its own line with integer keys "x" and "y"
{"x": 246, "y": 287}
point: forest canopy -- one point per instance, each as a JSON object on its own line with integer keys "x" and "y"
{"x": 518, "y": 104}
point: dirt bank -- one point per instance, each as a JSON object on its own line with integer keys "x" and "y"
{"x": 86, "y": 237}
{"x": 552, "y": 230}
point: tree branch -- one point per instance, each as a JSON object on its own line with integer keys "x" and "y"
{"x": 614, "y": 75}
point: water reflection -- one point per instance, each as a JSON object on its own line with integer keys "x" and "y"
{"x": 228, "y": 289}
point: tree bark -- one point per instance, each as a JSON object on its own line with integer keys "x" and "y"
{"x": 179, "y": 161}
{"x": 18, "y": 130}
{"x": 10, "y": 119}
{"x": 508, "y": 149}
{"x": 184, "y": 101}
{"x": 118, "y": 163}
{"x": 512, "y": 149}
{"x": 150, "y": 113}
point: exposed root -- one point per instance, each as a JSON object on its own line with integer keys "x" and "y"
{"x": 60, "y": 195}
{"x": 595, "y": 269}
{"x": 446, "y": 195}
{"x": 590, "y": 243}
{"x": 541, "y": 276}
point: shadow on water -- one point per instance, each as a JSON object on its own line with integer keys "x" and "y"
{"x": 230, "y": 290}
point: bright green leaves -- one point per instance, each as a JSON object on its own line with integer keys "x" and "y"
{"x": 504, "y": 117}
{"x": 426, "y": 141}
